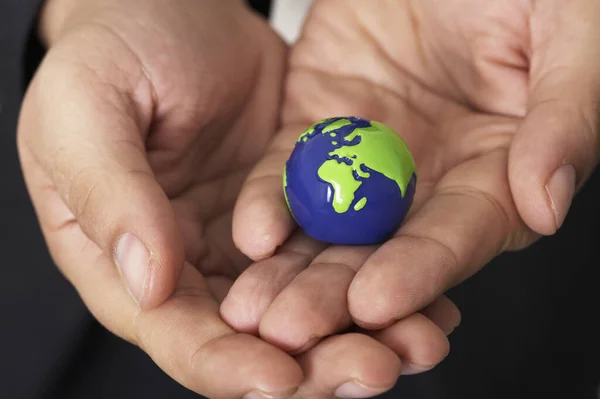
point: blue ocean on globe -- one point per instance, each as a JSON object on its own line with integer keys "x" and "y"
{"x": 350, "y": 181}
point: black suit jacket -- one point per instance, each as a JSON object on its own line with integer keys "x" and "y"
{"x": 528, "y": 330}
{"x": 39, "y": 314}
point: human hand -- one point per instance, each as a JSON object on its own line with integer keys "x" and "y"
{"x": 496, "y": 100}
{"x": 135, "y": 137}
{"x": 142, "y": 120}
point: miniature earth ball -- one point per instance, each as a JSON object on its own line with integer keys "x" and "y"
{"x": 350, "y": 181}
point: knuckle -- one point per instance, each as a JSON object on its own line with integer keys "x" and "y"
{"x": 87, "y": 190}
{"x": 502, "y": 212}
{"x": 575, "y": 124}
{"x": 446, "y": 260}
{"x": 209, "y": 348}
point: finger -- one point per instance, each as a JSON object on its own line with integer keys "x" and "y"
{"x": 86, "y": 130}
{"x": 255, "y": 289}
{"x": 262, "y": 220}
{"x": 184, "y": 335}
{"x": 348, "y": 366}
{"x": 314, "y": 305}
{"x": 469, "y": 219}
{"x": 420, "y": 340}
{"x": 557, "y": 146}
{"x": 205, "y": 355}
{"x": 417, "y": 340}
{"x": 444, "y": 314}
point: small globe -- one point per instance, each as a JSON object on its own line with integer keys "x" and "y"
{"x": 350, "y": 181}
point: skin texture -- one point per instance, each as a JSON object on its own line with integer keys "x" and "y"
{"x": 497, "y": 102}
{"x": 135, "y": 138}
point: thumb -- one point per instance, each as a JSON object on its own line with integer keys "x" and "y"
{"x": 556, "y": 148}
{"x": 88, "y": 136}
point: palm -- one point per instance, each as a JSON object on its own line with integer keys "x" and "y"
{"x": 182, "y": 101}
{"x": 204, "y": 140}
{"x": 205, "y": 116}
{"x": 203, "y": 175}
{"x": 149, "y": 166}
{"x": 457, "y": 102}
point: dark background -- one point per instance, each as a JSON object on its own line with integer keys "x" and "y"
{"x": 529, "y": 328}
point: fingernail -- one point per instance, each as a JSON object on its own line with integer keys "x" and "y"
{"x": 561, "y": 188}
{"x": 412, "y": 369}
{"x": 132, "y": 258}
{"x": 356, "y": 390}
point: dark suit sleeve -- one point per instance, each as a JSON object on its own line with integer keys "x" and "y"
{"x": 33, "y": 50}
{"x": 262, "y": 6}
{"x": 18, "y": 28}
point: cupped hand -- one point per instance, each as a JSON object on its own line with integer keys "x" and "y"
{"x": 497, "y": 101}
{"x": 135, "y": 137}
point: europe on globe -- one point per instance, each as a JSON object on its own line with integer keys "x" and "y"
{"x": 349, "y": 181}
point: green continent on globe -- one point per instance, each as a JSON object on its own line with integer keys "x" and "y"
{"x": 380, "y": 149}
{"x": 339, "y": 176}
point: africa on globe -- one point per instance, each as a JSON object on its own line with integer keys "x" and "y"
{"x": 350, "y": 181}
